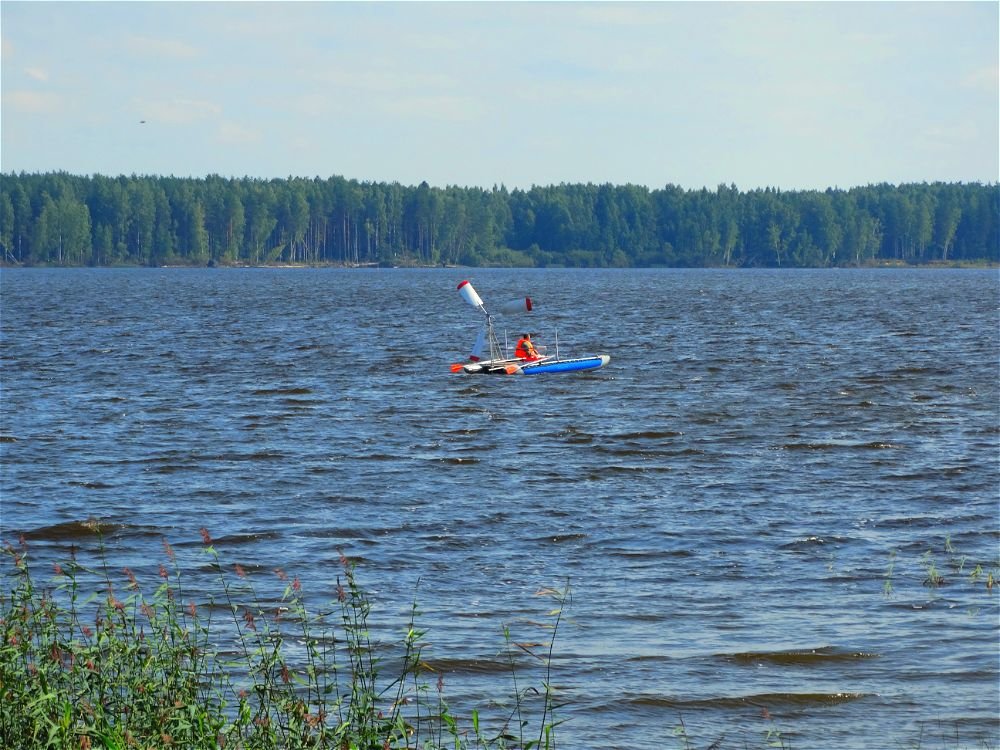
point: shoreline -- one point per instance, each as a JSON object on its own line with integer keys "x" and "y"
{"x": 885, "y": 264}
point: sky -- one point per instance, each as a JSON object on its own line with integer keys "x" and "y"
{"x": 791, "y": 95}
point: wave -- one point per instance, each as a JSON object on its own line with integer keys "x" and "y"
{"x": 874, "y": 445}
{"x": 69, "y": 530}
{"x": 255, "y": 456}
{"x": 237, "y": 539}
{"x": 627, "y": 470}
{"x": 798, "y": 657}
{"x": 91, "y": 485}
{"x": 468, "y": 666}
{"x": 762, "y": 700}
{"x": 646, "y": 435}
{"x": 812, "y": 541}
{"x": 560, "y": 538}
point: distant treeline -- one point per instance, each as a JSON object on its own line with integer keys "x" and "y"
{"x": 64, "y": 219}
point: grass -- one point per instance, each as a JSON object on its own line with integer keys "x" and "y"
{"x": 92, "y": 658}
{"x": 126, "y": 667}
{"x": 934, "y": 577}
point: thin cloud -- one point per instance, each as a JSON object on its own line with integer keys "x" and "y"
{"x": 949, "y": 135}
{"x": 33, "y": 102}
{"x": 173, "y": 49}
{"x": 445, "y": 108}
{"x": 177, "y": 111}
{"x": 986, "y": 80}
{"x": 235, "y": 134}
{"x": 385, "y": 80}
{"x": 39, "y": 74}
{"x": 314, "y": 105}
{"x": 561, "y": 70}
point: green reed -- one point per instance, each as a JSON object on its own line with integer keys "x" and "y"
{"x": 982, "y": 576}
{"x": 124, "y": 666}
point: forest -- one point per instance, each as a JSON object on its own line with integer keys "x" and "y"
{"x": 69, "y": 220}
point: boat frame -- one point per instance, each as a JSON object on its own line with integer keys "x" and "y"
{"x": 500, "y": 363}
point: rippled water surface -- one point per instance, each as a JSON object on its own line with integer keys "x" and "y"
{"x": 728, "y": 499}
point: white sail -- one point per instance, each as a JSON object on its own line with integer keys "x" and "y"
{"x": 470, "y": 296}
{"x": 477, "y": 348}
{"x": 524, "y": 304}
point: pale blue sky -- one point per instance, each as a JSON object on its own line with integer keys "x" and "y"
{"x": 795, "y": 95}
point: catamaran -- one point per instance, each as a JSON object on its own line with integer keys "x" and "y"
{"x": 489, "y": 357}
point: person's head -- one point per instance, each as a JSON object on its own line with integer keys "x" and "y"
{"x": 527, "y": 336}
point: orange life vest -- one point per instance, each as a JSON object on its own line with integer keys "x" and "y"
{"x": 525, "y": 349}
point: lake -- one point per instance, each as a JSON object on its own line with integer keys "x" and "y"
{"x": 746, "y": 502}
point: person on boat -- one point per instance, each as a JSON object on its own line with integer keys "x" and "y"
{"x": 525, "y": 349}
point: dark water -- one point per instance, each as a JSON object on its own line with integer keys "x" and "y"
{"x": 725, "y": 498}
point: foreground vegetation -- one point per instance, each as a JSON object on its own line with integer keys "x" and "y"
{"x": 62, "y": 219}
{"x": 130, "y": 668}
